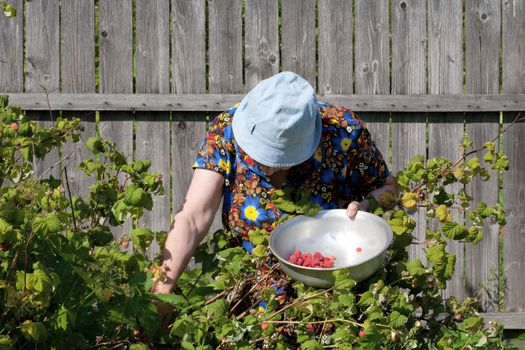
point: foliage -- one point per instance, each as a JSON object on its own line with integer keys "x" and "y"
{"x": 66, "y": 283}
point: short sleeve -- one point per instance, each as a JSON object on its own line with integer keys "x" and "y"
{"x": 216, "y": 152}
{"x": 368, "y": 168}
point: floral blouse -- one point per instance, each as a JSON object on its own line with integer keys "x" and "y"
{"x": 346, "y": 166}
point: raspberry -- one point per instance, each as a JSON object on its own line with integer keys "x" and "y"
{"x": 359, "y": 249}
{"x": 311, "y": 260}
{"x": 310, "y": 328}
{"x": 264, "y": 326}
{"x": 14, "y": 126}
{"x": 362, "y": 333}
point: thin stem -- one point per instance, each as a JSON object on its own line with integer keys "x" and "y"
{"x": 465, "y": 155}
{"x": 70, "y": 200}
{"x": 254, "y": 287}
{"x": 299, "y": 301}
{"x": 53, "y": 166}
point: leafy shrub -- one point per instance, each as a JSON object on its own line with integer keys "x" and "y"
{"x": 66, "y": 283}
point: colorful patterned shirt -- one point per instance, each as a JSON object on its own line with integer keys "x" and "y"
{"x": 346, "y": 166}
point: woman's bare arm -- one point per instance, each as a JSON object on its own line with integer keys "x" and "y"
{"x": 191, "y": 224}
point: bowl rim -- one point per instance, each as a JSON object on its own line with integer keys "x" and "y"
{"x": 390, "y": 238}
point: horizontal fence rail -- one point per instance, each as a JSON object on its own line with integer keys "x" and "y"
{"x": 219, "y": 102}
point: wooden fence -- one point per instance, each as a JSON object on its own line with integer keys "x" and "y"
{"x": 146, "y": 73}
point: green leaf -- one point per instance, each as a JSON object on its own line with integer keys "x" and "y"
{"x": 100, "y": 235}
{"x": 415, "y": 268}
{"x": 34, "y": 331}
{"x": 453, "y": 230}
{"x": 186, "y": 345}
{"x": 9, "y": 10}
{"x": 217, "y": 309}
{"x": 490, "y": 146}
{"x": 402, "y": 181}
{"x": 89, "y": 166}
{"x": 436, "y": 254}
{"x": 95, "y": 145}
{"x": 172, "y": 299}
{"x": 311, "y": 345}
{"x": 346, "y": 299}
{"x": 489, "y": 157}
{"x": 397, "y": 320}
{"x": 258, "y": 236}
{"x": 342, "y": 279}
{"x": 473, "y": 323}
{"x": 409, "y": 200}
{"x": 473, "y": 163}
{"x": 475, "y": 235}
{"x": 442, "y": 197}
{"x": 6, "y": 343}
{"x": 141, "y": 166}
{"x": 138, "y": 346}
{"x": 442, "y": 213}
{"x": 137, "y": 197}
{"x": 366, "y": 299}
{"x": 42, "y": 281}
{"x": 181, "y": 326}
{"x": 141, "y": 237}
{"x": 449, "y": 267}
{"x": 259, "y": 250}
{"x": 47, "y": 224}
{"x": 501, "y": 163}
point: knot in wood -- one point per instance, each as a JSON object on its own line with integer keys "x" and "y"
{"x": 104, "y": 34}
{"x": 484, "y": 17}
{"x": 182, "y": 125}
{"x": 272, "y": 58}
{"x": 403, "y": 5}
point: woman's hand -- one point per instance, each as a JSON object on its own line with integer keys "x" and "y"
{"x": 364, "y": 205}
{"x": 164, "y": 310}
{"x": 355, "y": 206}
{"x": 190, "y": 226}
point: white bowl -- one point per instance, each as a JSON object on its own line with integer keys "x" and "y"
{"x": 332, "y": 233}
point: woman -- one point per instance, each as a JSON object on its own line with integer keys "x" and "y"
{"x": 279, "y": 136}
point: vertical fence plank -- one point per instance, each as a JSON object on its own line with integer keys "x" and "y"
{"x": 225, "y": 35}
{"x": 335, "y": 47}
{"x": 77, "y": 52}
{"x": 262, "y": 41}
{"x": 42, "y": 64}
{"x": 483, "y": 22}
{"x": 298, "y": 38}
{"x": 116, "y": 69}
{"x": 409, "y": 77}
{"x": 189, "y": 76}
{"x": 514, "y": 144}
{"x": 445, "y": 68}
{"x": 153, "y": 128}
{"x": 12, "y": 50}
{"x": 189, "y": 46}
{"x": 372, "y": 69}
{"x": 225, "y": 46}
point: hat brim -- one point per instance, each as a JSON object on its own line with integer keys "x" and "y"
{"x": 271, "y": 156}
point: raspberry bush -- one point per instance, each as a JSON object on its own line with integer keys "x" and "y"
{"x": 67, "y": 283}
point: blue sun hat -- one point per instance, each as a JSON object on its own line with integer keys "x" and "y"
{"x": 277, "y": 123}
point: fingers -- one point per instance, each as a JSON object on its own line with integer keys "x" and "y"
{"x": 354, "y": 207}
